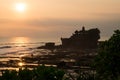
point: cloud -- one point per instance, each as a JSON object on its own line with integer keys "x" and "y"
{"x": 4, "y": 21}
{"x": 53, "y": 22}
{"x": 55, "y": 28}
{"x": 101, "y": 18}
{"x": 107, "y": 16}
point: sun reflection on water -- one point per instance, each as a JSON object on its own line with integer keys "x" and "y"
{"x": 20, "y": 64}
{"x": 20, "y": 41}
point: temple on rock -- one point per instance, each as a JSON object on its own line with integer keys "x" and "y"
{"x": 83, "y": 39}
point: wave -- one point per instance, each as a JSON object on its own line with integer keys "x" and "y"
{"x": 5, "y": 47}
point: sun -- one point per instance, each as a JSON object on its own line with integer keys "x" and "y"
{"x": 20, "y": 7}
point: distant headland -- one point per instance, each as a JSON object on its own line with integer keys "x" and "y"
{"x": 82, "y": 39}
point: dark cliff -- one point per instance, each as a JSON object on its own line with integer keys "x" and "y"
{"x": 83, "y": 39}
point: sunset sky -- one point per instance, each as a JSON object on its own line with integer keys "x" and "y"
{"x": 53, "y": 19}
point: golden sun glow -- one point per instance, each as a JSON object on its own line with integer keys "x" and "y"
{"x": 20, "y": 7}
{"x": 20, "y": 64}
{"x": 20, "y": 41}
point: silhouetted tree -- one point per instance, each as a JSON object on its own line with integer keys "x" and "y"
{"x": 39, "y": 73}
{"x": 9, "y": 75}
{"x": 25, "y": 74}
{"x": 48, "y": 73}
{"x": 107, "y": 63}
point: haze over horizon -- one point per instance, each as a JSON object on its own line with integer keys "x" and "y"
{"x": 53, "y": 19}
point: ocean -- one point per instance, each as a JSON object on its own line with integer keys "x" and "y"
{"x": 13, "y": 49}
{"x": 17, "y": 47}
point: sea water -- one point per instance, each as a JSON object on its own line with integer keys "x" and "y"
{"x": 14, "y": 48}
{"x": 18, "y": 47}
